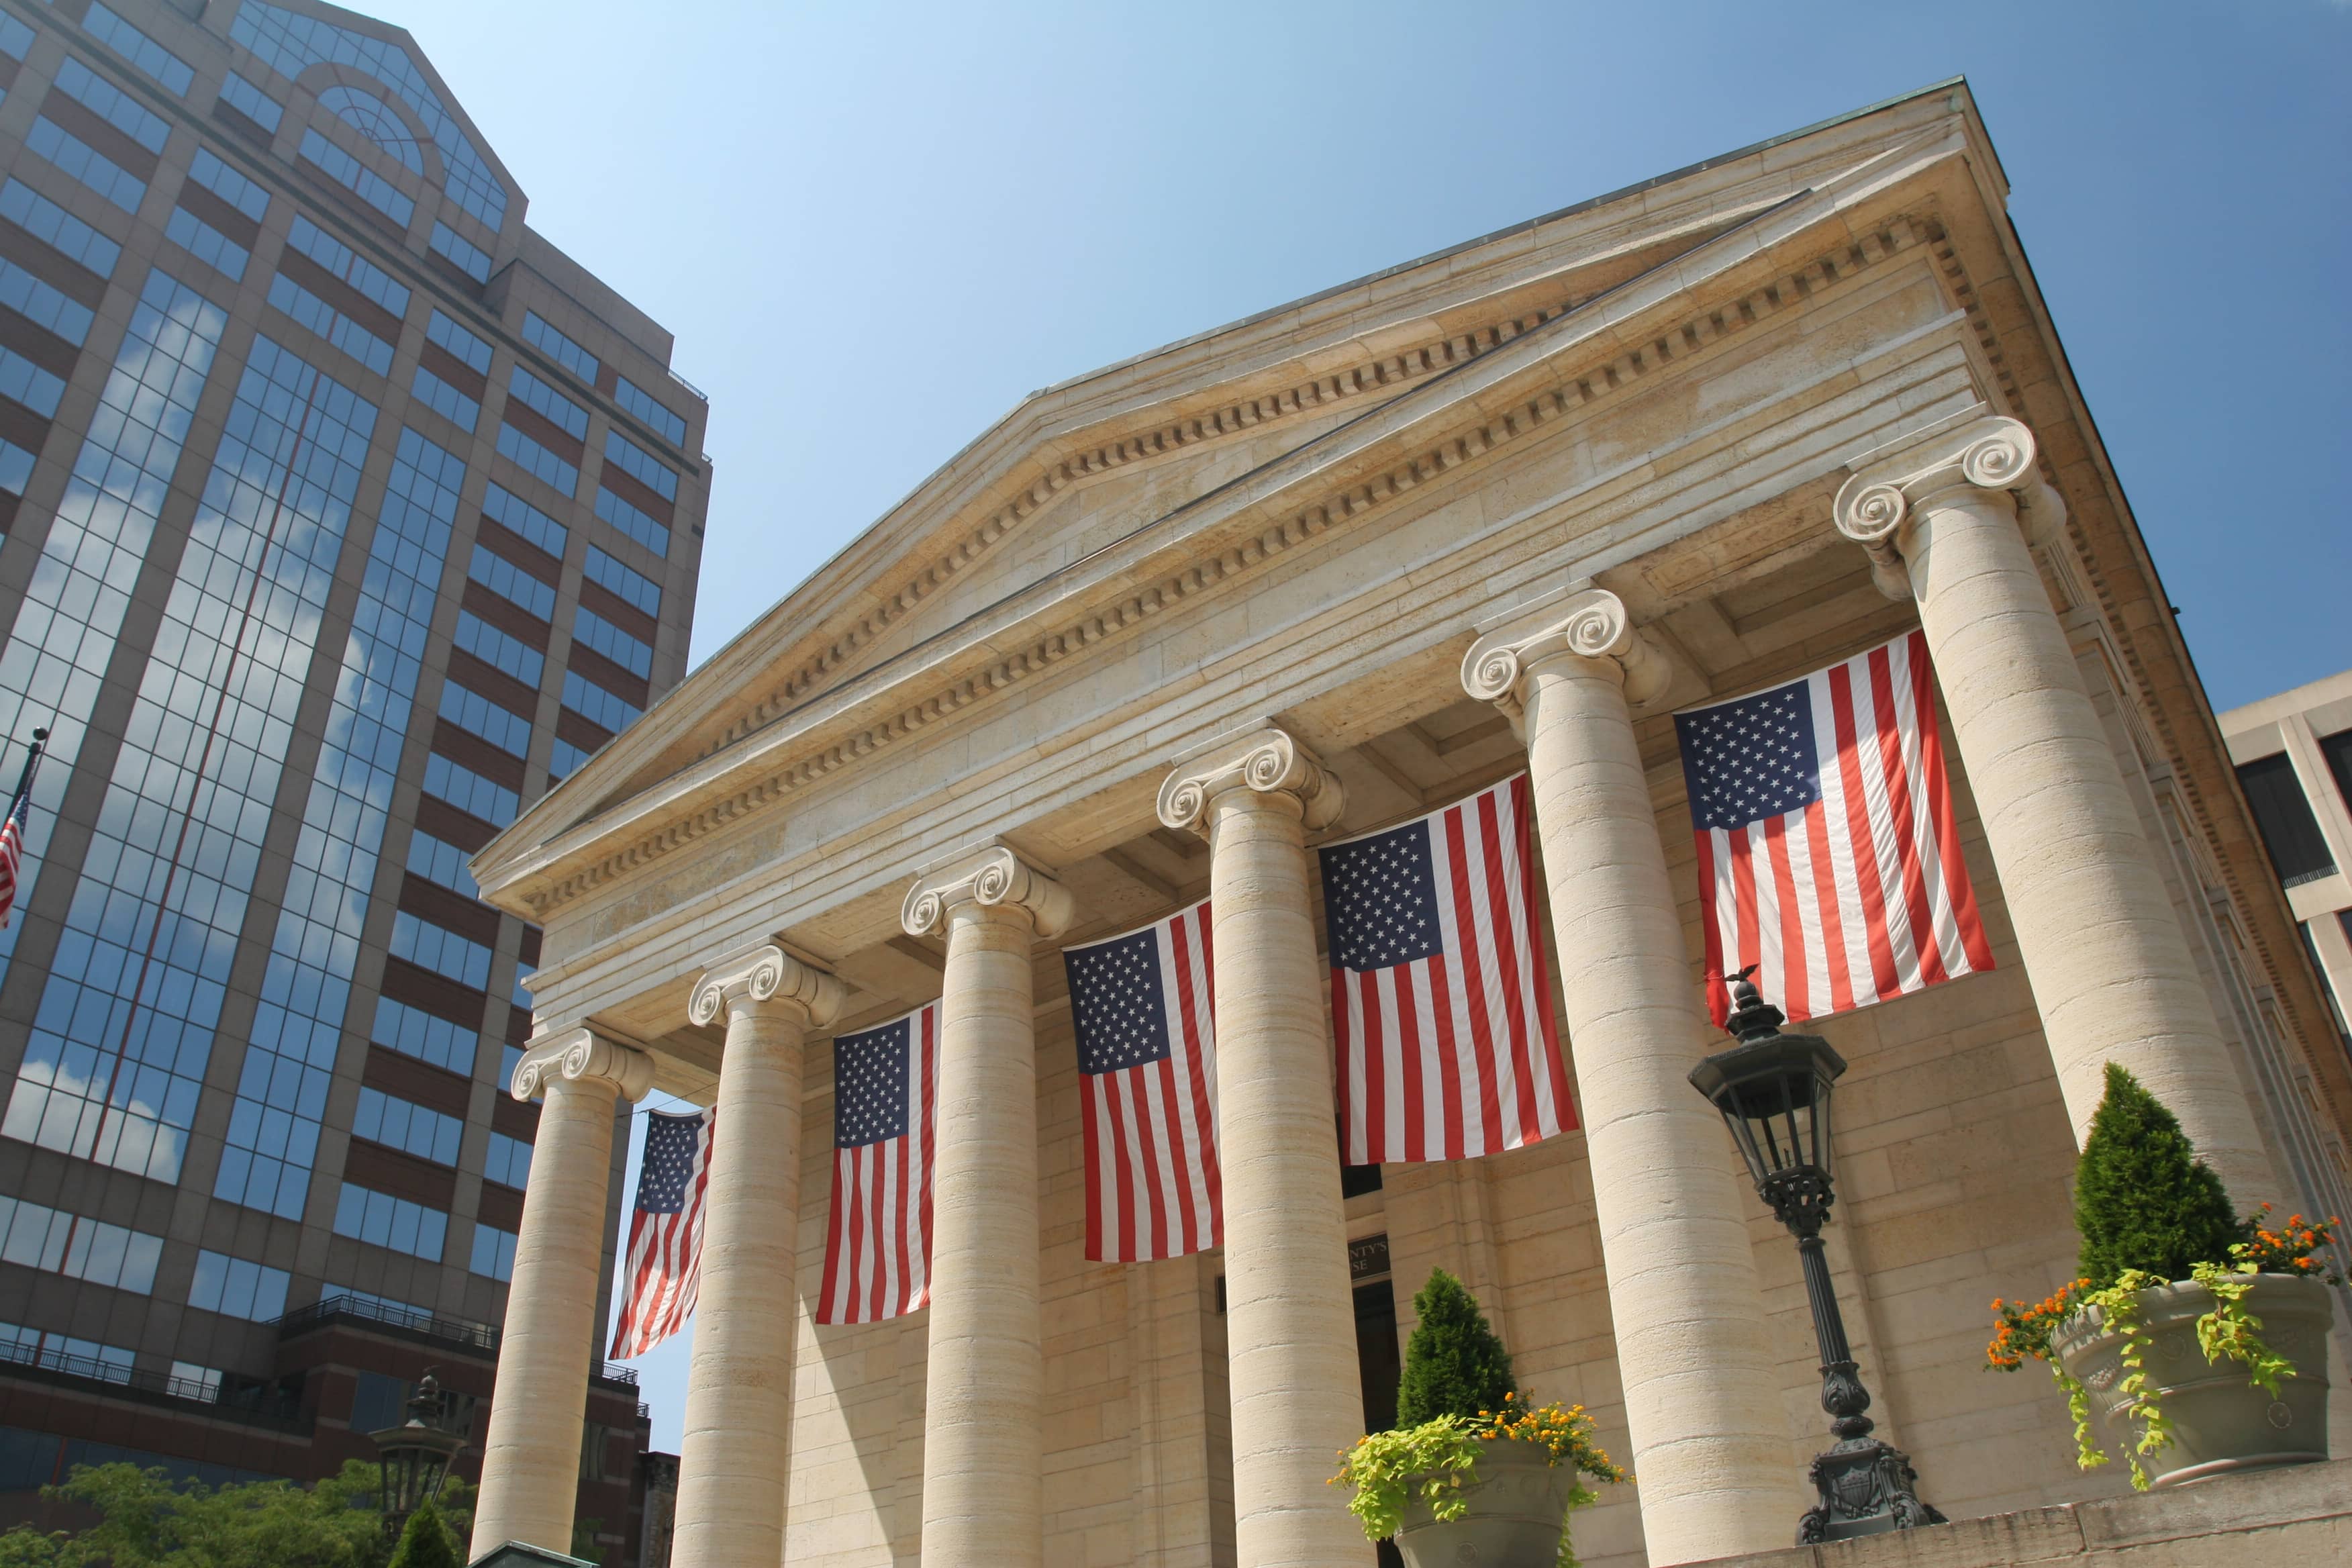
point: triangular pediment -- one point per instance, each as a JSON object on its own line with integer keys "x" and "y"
{"x": 1076, "y": 475}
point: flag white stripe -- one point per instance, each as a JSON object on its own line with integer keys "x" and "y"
{"x": 1853, "y": 919}
{"x": 870, "y": 1181}
{"x": 1890, "y": 799}
{"x": 1153, "y": 1114}
{"x": 1484, "y": 995}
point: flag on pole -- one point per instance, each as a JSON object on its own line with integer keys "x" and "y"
{"x": 12, "y": 832}
{"x": 665, "y": 1264}
{"x": 1827, "y": 852}
{"x": 1440, "y": 998}
{"x": 1147, "y": 1075}
{"x": 877, "y": 1246}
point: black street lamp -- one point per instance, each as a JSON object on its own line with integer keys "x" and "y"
{"x": 1774, "y": 1092}
{"x": 413, "y": 1458}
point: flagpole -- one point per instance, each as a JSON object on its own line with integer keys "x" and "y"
{"x": 32, "y": 761}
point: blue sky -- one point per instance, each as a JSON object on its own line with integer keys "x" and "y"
{"x": 874, "y": 228}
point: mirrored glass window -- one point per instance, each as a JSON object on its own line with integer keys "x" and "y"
{"x": 315, "y": 949}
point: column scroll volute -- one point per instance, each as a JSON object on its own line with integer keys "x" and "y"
{"x": 993, "y": 877}
{"x": 1581, "y": 619}
{"x": 1880, "y": 505}
{"x": 583, "y": 1056}
{"x": 1267, "y": 760}
{"x": 761, "y": 973}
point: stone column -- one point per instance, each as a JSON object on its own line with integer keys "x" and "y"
{"x": 1290, "y": 1321}
{"x": 1702, "y": 1401}
{"x": 983, "y": 1497}
{"x": 530, "y": 1460}
{"x": 2110, "y": 966}
{"x": 731, "y": 1465}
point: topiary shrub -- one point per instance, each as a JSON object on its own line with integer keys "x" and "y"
{"x": 2142, "y": 1200}
{"x": 425, "y": 1542}
{"x": 1453, "y": 1364}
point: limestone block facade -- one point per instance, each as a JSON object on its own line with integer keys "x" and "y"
{"x": 1167, "y": 627}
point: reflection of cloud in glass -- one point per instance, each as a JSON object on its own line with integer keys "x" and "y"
{"x": 56, "y": 1106}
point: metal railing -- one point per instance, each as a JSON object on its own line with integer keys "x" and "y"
{"x": 625, "y": 1375}
{"x": 460, "y": 1330}
{"x": 258, "y": 1404}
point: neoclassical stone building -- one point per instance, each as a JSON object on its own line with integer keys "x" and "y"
{"x": 1168, "y": 626}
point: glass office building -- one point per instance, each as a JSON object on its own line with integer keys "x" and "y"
{"x": 343, "y": 514}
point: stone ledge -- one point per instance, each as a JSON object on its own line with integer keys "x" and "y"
{"x": 2299, "y": 1517}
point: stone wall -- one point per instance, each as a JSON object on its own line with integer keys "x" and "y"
{"x": 1955, "y": 1158}
{"x": 2297, "y": 1517}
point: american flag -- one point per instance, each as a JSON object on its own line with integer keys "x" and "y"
{"x": 665, "y": 1233}
{"x": 1148, "y": 1073}
{"x": 1827, "y": 852}
{"x": 12, "y": 832}
{"x": 1439, "y": 994}
{"x": 877, "y": 1245}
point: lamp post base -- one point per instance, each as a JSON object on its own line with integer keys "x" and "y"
{"x": 1866, "y": 1488}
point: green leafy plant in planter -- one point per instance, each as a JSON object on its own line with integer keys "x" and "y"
{"x": 1458, "y": 1395}
{"x": 2149, "y": 1213}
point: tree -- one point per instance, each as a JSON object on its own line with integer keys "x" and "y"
{"x": 2142, "y": 1198}
{"x": 1453, "y": 1364}
{"x": 145, "y": 1520}
{"x": 425, "y": 1542}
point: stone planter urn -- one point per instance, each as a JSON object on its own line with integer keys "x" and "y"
{"x": 2221, "y": 1423}
{"x": 1518, "y": 1506}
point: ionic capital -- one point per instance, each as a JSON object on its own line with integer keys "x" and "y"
{"x": 759, "y": 973}
{"x": 1579, "y": 620}
{"x": 1881, "y": 504}
{"x": 990, "y": 878}
{"x": 1265, "y": 761}
{"x": 583, "y": 1056}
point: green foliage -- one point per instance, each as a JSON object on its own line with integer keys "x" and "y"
{"x": 425, "y": 1543}
{"x": 2228, "y": 1330}
{"x": 1436, "y": 1461}
{"x": 1453, "y": 1364}
{"x": 146, "y": 1521}
{"x": 2142, "y": 1201}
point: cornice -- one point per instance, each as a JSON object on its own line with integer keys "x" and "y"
{"x": 1653, "y": 349}
{"x": 1317, "y": 395}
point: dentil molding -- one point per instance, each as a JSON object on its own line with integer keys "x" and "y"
{"x": 1267, "y": 761}
{"x": 1576, "y": 618}
{"x": 763, "y": 972}
{"x": 583, "y": 1056}
{"x": 992, "y": 878}
{"x": 1591, "y": 383}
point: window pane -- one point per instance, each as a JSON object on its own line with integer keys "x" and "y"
{"x": 2289, "y": 831}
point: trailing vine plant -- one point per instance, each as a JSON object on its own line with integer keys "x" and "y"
{"x": 1458, "y": 1393}
{"x": 2151, "y": 1214}
{"x": 1436, "y": 1461}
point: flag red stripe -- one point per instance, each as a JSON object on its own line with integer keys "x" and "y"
{"x": 1478, "y": 1008}
{"x": 1794, "y": 983}
{"x": 1538, "y": 966}
{"x": 1862, "y": 894}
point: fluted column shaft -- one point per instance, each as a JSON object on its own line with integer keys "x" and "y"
{"x": 733, "y": 1463}
{"x": 530, "y": 1459}
{"x": 1290, "y": 1320}
{"x": 1703, "y": 1405}
{"x": 983, "y": 1495}
{"x": 2103, "y": 950}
